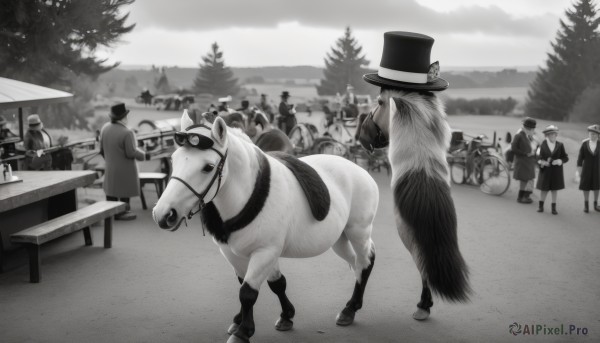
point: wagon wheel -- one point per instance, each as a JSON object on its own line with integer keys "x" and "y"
{"x": 494, "y": 175}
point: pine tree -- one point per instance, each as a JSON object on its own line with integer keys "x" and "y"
{"x": 44, "y": 42}
{"x": 573, "y": 66}
{"x": 344, "y": 65}
{"x": 214, "y": 77}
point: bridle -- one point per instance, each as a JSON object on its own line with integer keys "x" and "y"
{"x": 380, "y": 140}
{"x": 216, "y": 177}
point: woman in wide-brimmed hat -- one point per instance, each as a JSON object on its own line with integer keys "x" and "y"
{"x": 588, "y": 166}
{"x": 551, "y": 156}
{"x": 523, "y": 146}
{"x": 36, "y": 139}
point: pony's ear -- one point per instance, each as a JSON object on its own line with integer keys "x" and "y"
{"x": 399, "y": 105}
{"x": 186, "y": 121}
{"x": 219, "y": 131}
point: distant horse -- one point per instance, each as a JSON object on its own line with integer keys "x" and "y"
{"x": 261, "y": 207}
{"x": 415, "y": 126}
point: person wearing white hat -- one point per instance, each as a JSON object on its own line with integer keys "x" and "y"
{"x": 551, "y": 156}
{"x": 588, "y": 166}
{"x": 35, "y": 141}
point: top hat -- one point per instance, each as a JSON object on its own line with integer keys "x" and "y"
{"x": 594, "y": 128}
{"x": 33, "y": 120}
{"x": 405, "y": 64}
{"x": 245, "y": 103}
{"x": 529, "y": 123}
{"x": 285, "y": 94}
{"x": 550, "y": 129}
{"x": 118, "y": 111}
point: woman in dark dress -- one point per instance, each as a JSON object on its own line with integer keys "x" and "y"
{"x": 588, "y": 165}
{"x": 550, "y": 157}
{"x": 288, "y": 114}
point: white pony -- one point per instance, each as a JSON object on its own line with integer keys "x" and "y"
{"x": 414, "y": 125}
{"x": 259, "y": 208}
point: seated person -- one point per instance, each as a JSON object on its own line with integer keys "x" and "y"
{"x": 5, "y": 131}
{"x": 349, "y": 103}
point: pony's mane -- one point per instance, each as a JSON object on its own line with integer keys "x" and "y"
{"x": 419, "y": 134}
{"x": 239, "y": 133}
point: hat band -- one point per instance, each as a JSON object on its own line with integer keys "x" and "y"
{"x": 402, "y": 76}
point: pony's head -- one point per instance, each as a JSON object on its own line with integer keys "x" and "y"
{"x": 412, "y": 123}
{"x": 198, "y": 171}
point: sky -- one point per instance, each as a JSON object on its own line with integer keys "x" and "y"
{"x": 467, "y": 33}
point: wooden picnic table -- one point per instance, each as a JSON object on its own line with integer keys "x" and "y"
{"x": 43, "y": 195}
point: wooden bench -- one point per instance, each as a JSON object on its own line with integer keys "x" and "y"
{"x": 32, "y": 238}
{"x": 158, "y": 179}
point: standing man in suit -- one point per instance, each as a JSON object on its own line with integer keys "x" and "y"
{"x": 119, "y": 148}
{"x": 524, "y": 146}
{"x": 288, "y": 114}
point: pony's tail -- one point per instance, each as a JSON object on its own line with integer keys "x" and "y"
{"x": 426, "y": 206}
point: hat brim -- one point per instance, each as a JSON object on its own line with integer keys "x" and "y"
{"x": 438, "y": 84}
{"x": 549, "y": 132}
{"x": 595, "y": 131}
{"x": 114, "y": 116}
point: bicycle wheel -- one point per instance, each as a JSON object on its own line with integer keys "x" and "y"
{"x": 458, "y": 171}
{"x": 493, "y": 175}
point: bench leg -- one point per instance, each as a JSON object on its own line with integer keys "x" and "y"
{"x": 87, "y": 236}
{"x": 35, "y": 262}
{"x": 108, "y": 224}
{"x": 143, "y": 198}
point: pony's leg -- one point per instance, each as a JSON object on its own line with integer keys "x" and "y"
{"x": 424, "y": 306}
{"x": 364, "y": 249}
{"x": 240, "y": 266}
{"x": 260, "y": 266}
{"x": 277, "y": 284}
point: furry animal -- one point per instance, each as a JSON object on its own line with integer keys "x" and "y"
{"x": 414, "y": 124}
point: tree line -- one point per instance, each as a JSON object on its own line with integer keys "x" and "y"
{"x": 53, "y": 43}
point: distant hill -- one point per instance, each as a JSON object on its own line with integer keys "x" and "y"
{"x": 129, "y": 82}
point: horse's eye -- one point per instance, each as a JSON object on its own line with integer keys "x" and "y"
{"x": 380, "y": 101}
{"x": 208, "y": 168}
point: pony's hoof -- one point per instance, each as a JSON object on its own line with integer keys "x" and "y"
{"x": 283, "y": 324}
{"x": 421, "y": 314}
{"x": 345, "y": 318}
{"x": 232, "y": 328}
{"x": 236, "y": 339}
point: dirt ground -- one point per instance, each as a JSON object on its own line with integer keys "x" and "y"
{"x": 155, "y": 286}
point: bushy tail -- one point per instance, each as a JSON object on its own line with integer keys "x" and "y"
{"x": 426, "y": 206}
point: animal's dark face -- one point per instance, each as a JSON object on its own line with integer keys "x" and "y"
{"x": 373, "y": 129}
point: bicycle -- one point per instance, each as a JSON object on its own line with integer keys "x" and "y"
{"x": 479, "y": 164}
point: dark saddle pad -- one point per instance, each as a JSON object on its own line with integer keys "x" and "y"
{"x": 315, "y": 190}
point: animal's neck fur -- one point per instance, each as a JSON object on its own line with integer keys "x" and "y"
{"x": 241, "y": 169}
{"x": 419, "y": 136}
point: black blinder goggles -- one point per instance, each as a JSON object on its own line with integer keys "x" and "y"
{"x": 193, "y": 139}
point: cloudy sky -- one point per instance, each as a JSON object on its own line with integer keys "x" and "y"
{"x": 281, "y": 32}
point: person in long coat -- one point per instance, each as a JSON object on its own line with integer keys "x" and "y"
{"x": 588, "y": 166}
{"x": 551, "y": 156}
{"x": 37, "y": 139}
{"x": 523, "y": 146}
{"x": 119, "y": 148}
{"x": 288, "y": 114}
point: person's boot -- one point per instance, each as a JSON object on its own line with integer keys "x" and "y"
{"x": 520, "y": 197}
{"x": 554, "y": 208}
{"x": 596, "y": 206}
{"x": 526, "y": 198}
{"x": 541, "y": 208}
{"x": 127, "y": 215}
{"x": 586, "y": 207}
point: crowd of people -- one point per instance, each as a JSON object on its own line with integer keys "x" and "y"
{"x": 550, "y": 156}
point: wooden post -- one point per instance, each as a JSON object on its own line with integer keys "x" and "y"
{"x": 108, "y": 224}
